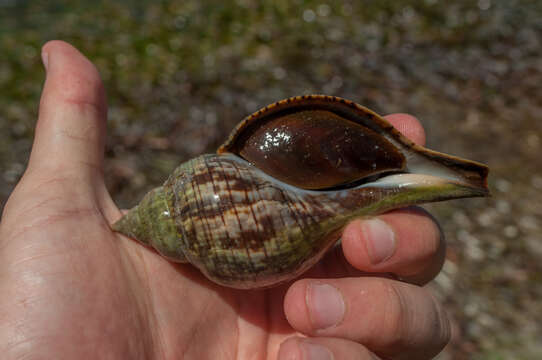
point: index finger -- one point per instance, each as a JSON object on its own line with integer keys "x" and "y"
{"x": 409, "y": 126}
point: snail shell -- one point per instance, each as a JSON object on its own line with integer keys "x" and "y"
{"x": 280, "y": 190}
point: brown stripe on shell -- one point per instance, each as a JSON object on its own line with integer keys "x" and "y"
{"x": 266, "y": 227}
{"x": 226, "y": 241}
{"x": 207, "y": 235}
{"x": 183, "y": 206}
{"x": 223, "y": 239}
{"x": 245, "y": 233}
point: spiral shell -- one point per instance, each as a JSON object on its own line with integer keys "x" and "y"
{"x": 259, "y": 213}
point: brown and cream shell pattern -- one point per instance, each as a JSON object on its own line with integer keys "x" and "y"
{"x": 279, "y": 191}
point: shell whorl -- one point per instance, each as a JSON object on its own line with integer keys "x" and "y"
{"x": 241, "y": 227}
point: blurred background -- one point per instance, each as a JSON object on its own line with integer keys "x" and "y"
{"x": 181, "y": 74}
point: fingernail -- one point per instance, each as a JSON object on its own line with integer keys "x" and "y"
{"x": 380, "y": 240}
{"x": 325, "y": 304}
{"x": 315, "y": 351}
{"x": 45, "y": 59}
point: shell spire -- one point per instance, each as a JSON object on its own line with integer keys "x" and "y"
{"x": 150, "y": 222}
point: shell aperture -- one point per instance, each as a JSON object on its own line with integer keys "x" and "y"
{"x": 247, "y": 224}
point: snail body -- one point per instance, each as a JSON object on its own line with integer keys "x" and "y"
{"x": 276, "y": 196}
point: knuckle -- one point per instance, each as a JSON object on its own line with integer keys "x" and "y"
{"x": 391, "y": 318}
{"x": 395, "y": 312}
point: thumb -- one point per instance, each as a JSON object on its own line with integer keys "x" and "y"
{"x": 70, "y": 132}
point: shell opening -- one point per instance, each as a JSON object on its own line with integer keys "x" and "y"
{"x": 363, "y": 181}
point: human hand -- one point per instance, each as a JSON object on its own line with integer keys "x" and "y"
{"x": 71, "y": 288}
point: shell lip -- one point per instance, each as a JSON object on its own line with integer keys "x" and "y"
{"x": 403, "y": 180}
{"x": 410, "y": 180}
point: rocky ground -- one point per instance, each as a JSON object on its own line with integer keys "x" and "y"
{"x": 180, "y": 74}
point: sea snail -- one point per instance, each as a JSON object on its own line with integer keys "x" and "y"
{"x": 279, "y": 191}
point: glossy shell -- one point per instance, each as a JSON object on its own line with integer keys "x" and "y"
{"x": 247, "y": 227}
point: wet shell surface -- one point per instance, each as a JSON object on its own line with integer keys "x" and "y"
{"x": 279, "y": 191}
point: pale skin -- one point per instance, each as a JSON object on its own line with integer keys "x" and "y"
{"x": 70, "y": 288}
